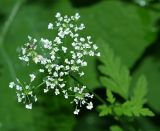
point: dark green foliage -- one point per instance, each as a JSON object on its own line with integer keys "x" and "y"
{"x": 124, "y": 27}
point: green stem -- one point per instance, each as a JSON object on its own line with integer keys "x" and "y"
{"x": 9, "y": 21}
{"x": 39, "y": 85}
{"x": 97, "y": 96}
{"x": 3, "y": 34}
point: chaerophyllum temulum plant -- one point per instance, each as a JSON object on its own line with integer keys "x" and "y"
{"x": 61, "y": 58}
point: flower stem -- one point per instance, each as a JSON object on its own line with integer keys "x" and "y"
{"x": 39, "y": 85}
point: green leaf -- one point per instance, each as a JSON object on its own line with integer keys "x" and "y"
{"x": 117, "y": 77}
{"x": 150, "y": 67}
{"x": 146, "y": 112}
{"x": 140, "y": 91}
{"x": 104, "y": 110}
{"x": 115, "y": 128}
{"x": 110, "y": 97}
{"x": 128, "y": 35}
{"x": 130, "y": 109}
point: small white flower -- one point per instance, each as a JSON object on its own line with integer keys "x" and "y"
{"x": 91, "y": 53}
{"x": 55, "y": 74}
{"x": 34, "y": 41}
{"x": 74, "y": 68}
{"x": 76, "y": 112}
{"x": 64, "y": 49}
{"x": 82, "y": 39}
{"x": 50, "y": 26}
{"x": 30, "y": 93}
{"x": 32, "y": 76}
{"x": 37, "y": 59}
{"x": 27, "y": 87}
{"x": 45, "y": 90}
{"x": 98, "y": 54}
{"x": 11, "y": 84}
{"x": 57, "y": 40}
{"x": 53, "y": 86}
{"x": 58, "y": 24}
{"x": 66, "y": 95}
{"x": 67, "y": 67}
{"x": 57, "y": 92}
{"x": 47, "y": 44}
{"x": 142, "y": 2}
{"x": 57, "y": 68}
{"x": 95, "y": 47}
{"x": 44, "y": 61}
{"x": 58, "y": 15}
{"x": 29, "y": 38}
{"x": 89, "y": 106}
{"x": 18, "y": 88}
{"x": 41, "y": 70}
{"x": 81, "y": 27}
{"x": 84, "y": 63}
{"x": 61, "y": 85}
{"x": 76, "y": 89}
{"x": 77, "y": 16}
{"x": 29, "y": 106}
{"x": 35, "y": 98}
{"x": 61, "y": 34}
{"x": 24, "y": 58}
{"x": 23, "y": 51}
{"x": 19, "y": 97}
{"x": 79, "y": 61}
{"x": 81, "y": 74}
{"x": 61, "y": 74}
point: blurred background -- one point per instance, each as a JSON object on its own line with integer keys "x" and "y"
{"x": 130, "y": 27}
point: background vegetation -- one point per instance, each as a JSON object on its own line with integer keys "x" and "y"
{"x": 127, "y": 30}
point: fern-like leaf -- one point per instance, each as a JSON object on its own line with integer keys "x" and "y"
{"x": 140, "y": 91}
{"x": 110, "y": 98}
{"x": 116, "y": 77}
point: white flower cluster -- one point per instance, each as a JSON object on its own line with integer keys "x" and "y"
{"x": 24, "y": 92}
{"x": 62, "y": 57}
{"x": 81, "y": 98}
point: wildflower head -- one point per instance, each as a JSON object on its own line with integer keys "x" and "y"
{"x": 60, "y": 60}
{"x": 24, "y": 92}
